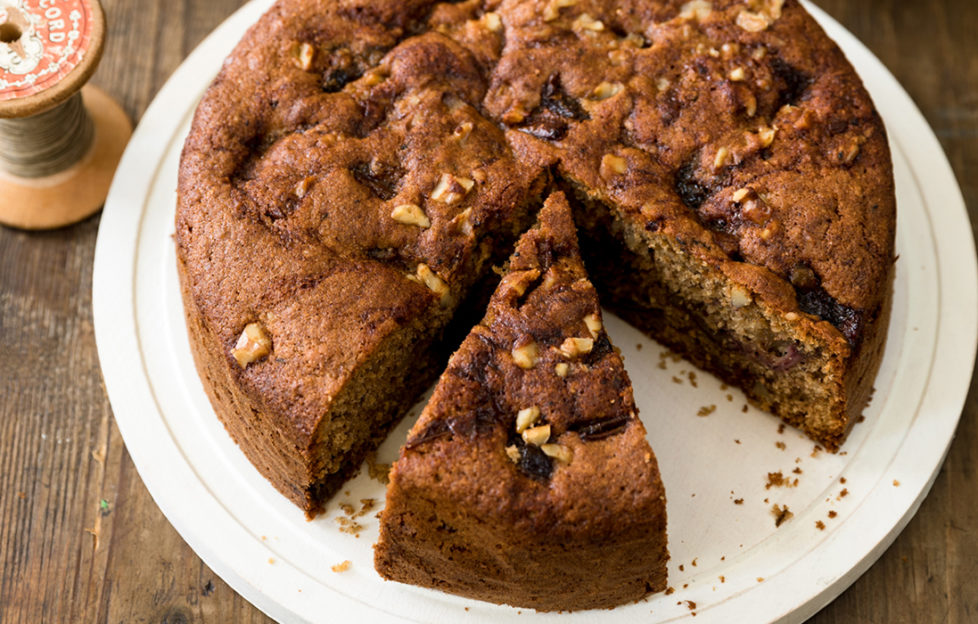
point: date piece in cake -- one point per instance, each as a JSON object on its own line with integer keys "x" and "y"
{"x": 528, "y": 479}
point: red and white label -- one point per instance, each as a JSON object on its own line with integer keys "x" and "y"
{"x": 41, "y": 42}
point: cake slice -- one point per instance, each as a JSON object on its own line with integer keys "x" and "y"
{"x": 527, "y": 479}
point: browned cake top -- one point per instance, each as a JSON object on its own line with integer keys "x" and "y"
{"x": 540, "y": 400}
{"x": 739, "y": 127}
{"x": 352, "y": 154}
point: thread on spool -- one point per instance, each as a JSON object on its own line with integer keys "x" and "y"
{"x": 46, "y": 143}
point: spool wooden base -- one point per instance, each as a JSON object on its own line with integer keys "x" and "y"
{"x": 78, "y": 192}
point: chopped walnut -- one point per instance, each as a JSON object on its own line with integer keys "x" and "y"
{"x": 791, "y": 316}
{"x": 617, "y": 56}
{"x": 753, "y": 22}
{"x": 756, "y": 211}
{"x": 739, "y": 296}
{"x": 759, "y": 53}
{"x": 699, "y": 9}
{"x": 737, "y": 74}
{"x": 410, "y": 214}
{"x": 613, "y": 165}
{"x": 662, "y": 84}
{"x": 573, "y": 347}
{"x": 464, "y": 221}
{"x": 850, "y": 153}
{"x": 537, "y": 435}
{"x": 303, "y": 186}
{"x": 374, "y": 78}
{"x": 526, "y": 418}
{"x": 303, "y": 55}
{"x": 527, "y": 355}
{"x": 766, "y": 135}
{"x": 552, "y": 10}
{"x": 593, "y": 322}
{"x": 463, "y": 131}
{"x": 514, "y": 115}
{"x": 341, "y": 567}
{"x": 587, "y": 24}
{"x": 750, "y": 104}
{"x": 492, "y": 21}
{"x": 559, "y": 452}
{"x": 253, "y": 344}
{"x": 721, "y": 157}
{"x": 633, "y": 40}
{"x": 729, "y": 50}
{"x": 562, "y": 369}
{"x": 739, "y": 195}
{"x": 606, "y": 90}
{"x": 451, "y": 189}
{"x": 434, "y": 283}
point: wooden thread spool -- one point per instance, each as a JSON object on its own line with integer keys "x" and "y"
{"x": 60, "y": 141}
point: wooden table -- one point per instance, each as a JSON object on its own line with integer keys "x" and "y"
{"x": 61, "y": 454}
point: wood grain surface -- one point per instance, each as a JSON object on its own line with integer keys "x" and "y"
{"x": 82, "y": 541}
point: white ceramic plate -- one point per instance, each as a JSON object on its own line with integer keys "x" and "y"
{"x": 727, "y": 558}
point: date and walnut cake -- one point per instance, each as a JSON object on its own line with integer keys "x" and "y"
{"x": 528, "y": 479}
{"x": 358, "y": 167}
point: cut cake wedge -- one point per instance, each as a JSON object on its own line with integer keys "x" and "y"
{"x": 528, "y": 479}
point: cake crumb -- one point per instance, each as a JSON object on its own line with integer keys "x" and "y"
{"x": 723, "y": 579}
{"x": 706, "y": 410}
{"x": 662, "y": 364}
{"x": 843, "y": 493}
{"x": 781, "y": 428}
{"x": 738, "y": 501}
{"x": 744, "y": 408}
{"x": 896, "y": 483}
{"x": 349, "y": 526}
{"x": 676, "y": 380}
{"x": 690, "y": 604}
{"x": 842, "y": 480}
{"x": 819, "y": 525}
{"x": 776, "y": 479}
{"x": 670, "y": 591}
{"x": 781, "y": 445}
{"x": 693, "y": 562}
{"x": 832, "y": 514}
{"x": 736, "y": 440}
{"x": 638, "y": 346}
{"x": 341, "y": 567}
{"x": 724, "y": 386}
{"x": 781, "y": 514}
{"x": 692, "y": 379}
{"x": 760, "y": 579}
{"x": 730, "y": 398}
{"x": 366, "y": 506}
{"x": 797, "y": 470}
{"x": 378, "y": 471}
{"x": 682, "y": 568}
{"x": 271, "y": 560}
